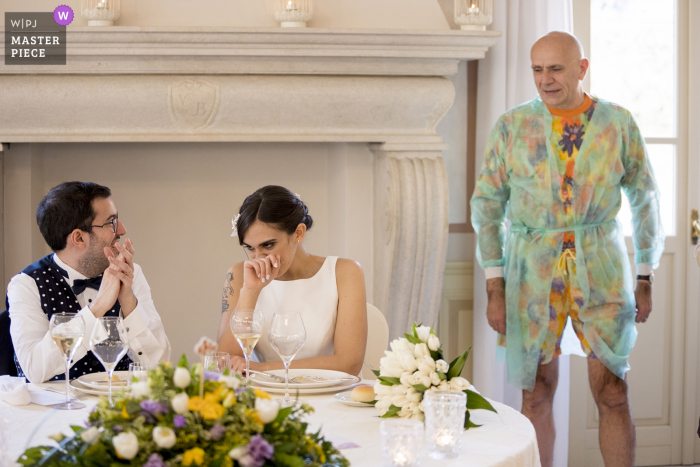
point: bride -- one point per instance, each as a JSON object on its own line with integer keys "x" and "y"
{"x": 280, "y": 275}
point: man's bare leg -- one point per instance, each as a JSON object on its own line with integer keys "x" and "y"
{"x": 537, "y": 406}
{"x": 616, "y": 434}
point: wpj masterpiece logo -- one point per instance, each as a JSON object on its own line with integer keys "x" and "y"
{"x": 37, "y": 38}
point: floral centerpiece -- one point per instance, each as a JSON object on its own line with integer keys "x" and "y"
{"x": 414, "y": 365}
{"x": 164, "y": 422}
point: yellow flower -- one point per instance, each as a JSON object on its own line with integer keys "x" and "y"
{"x": 195, "y": 455}
{"x": 195, "y": 404}
{"x": 262, "y": 394}
{"x": 212, "y": 411}
{"x": 255, "y": 418}
{"x": 213, "y": 396}
{"x": 167, "y": 364}
{"x": 125, "y": 414}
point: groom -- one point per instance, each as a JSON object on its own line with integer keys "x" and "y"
{"x": 89, "y": 273}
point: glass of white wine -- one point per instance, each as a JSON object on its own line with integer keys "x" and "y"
{"x": 109, "y": 342}
{"x": 247, "y": 326}
{"x": 67, "y": 331}
{"x": 287, "y": 334}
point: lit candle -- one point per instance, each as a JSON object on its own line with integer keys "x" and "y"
{"x": 445, "y": 440}
{"x": 291, "y": 6}
{"x": 400, "y": 459}
{"x": 473, "y": 9}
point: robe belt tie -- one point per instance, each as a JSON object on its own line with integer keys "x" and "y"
{"x": 561, "y": 264}
{"x": 574, "y": 228}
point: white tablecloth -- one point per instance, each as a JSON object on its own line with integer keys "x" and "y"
{"x": 505, "y": 439}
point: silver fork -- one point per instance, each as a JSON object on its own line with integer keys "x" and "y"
{"x": 273, "y": 377}
{"x": 73, "y": 392}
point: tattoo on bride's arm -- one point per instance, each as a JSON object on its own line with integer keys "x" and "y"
{"x": 227, "y": 292}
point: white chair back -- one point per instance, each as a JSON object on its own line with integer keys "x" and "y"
{"x": 377, "y": 340}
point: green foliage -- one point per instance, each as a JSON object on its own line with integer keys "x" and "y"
{"x": 457, "y": 365}
{"x": 477, "y": 401}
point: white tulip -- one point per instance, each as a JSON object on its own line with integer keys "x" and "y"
{"x": 390, "y": 366}
{"x": 90, "y": 435}
{"x": 140, "y": 389}
{"x": 434, "y": 378}
{"x": 381, "y": 389}
{"x": 126, "y": 444}
{"x": 421, "y": 351}
{"x": 408, "y": 409}
{"x": 418, "y": 416}
{"x": 413, "y": 395}
{"x": 423, "y": 333}
{"x": 267, "y": 410}
{"x": 421, "y": 406}
{"x": 423, "y": 378}
{"x": 247, "y": 461}
{"x": 442, "y": 366}
{"x": 408, "y": 379}
{"x": 426, "y": 364}
{"x": 433, "y": 342}
{"x": 459, "y": 384}
{"x": 399, "y": 389}
{"x": 232, "y": 382}
{"x": 164, "y": 437}
{"x": 408, "y": 361}
{"x": 179, "y": 403}
{"x": 237, "y": 453}
{"x": 182, "y": 377}
{"x": 444, "y": 386}
{"x": 401, "y": 344}
{"x": 399, "y": 400}
{"x": 383, "y": 404}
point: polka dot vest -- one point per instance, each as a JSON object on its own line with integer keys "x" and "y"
{"x": 57, "y": 297}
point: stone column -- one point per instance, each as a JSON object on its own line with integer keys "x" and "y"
{"x": 410, "y": 232}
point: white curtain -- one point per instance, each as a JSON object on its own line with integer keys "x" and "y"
{"x": 505, "y": 80}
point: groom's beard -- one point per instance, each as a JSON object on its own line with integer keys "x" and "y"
{"x": 94, "y": 262}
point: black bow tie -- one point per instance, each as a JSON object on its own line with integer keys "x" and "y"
{"x": 79, "y": 285}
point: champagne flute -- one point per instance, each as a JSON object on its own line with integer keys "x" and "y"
{"x": 287, "y": 334}
{"x": 109, "y": 342}
{"x": 247, "y": 326}
{"x": 67, "y": 331}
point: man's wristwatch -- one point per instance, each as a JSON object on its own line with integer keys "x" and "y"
{"x": 649, "y": 278}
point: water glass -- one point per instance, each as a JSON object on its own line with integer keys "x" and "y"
{"x": 217, "y": 362}
{"x": 444, "y": 422}
{"x": 286, "y": 335}
{"x": 109, "y": 343}
{"x": 402, "y": 441}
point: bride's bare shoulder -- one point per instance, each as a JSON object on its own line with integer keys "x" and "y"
{"x": 348, "y": 268}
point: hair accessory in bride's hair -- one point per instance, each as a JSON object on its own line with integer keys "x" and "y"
{"x": 297, "y": 195}
{"x": 234, "y": 224}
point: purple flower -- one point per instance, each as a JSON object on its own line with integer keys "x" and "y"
{"x": 154, "y": 407}
{"x": 154, "y": 461}
{"x": 211, "y": 375}
{"x": 259, "y": 449}
{"x": 217, "y": 431}
{"x": 117, "y": 428}
{"x": 179, "y": 421}
{"x": 570, "y": 137}
{"x": 240, "y": 390}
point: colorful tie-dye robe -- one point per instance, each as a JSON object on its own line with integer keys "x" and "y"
{"x": 520, "y": 181}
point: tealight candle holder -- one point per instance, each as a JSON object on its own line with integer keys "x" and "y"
{"x": 293, "y": 13}
{"x": 444, "y": 422}
{"x": 473, "y": 15}
{"x": 401, "y": 442}
{"x": 100, "y": 12}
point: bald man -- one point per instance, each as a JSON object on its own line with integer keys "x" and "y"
{"x": 555, "y": 167}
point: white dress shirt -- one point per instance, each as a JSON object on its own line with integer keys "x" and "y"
{"x": 39, "y": 355}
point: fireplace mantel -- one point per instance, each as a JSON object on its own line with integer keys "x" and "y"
{"x": 384, "y": 87}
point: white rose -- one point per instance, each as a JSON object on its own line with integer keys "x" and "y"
{"x": 442, "y": 366}
{"x": 433, "y": 342}
{"x": 237, "y": 453}
{"x": 381, "y": 389}
{"x": 140, "y": 389}
{"x": 232, "y": 382}
{"x": 164, "y": 437}
{"x": 267, "y": 409}
{"x": 90, "y": 435}
{"x": 179, "y": 403}
{"x": 435, "y": 378}
{"x": 408, "y": 361}
{"x": 126, "y": 444}
{"x": 247, "y": 461}
{"x": 182, "y": 377}
{"x": 459, "y": 384}
{"x": 426, "y": 364}
{"x": 423, "y": 333}
{"x": 421, "y": 351}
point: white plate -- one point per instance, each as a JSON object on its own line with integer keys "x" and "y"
{"x": 346, "y": 398}
{"x": 97, "y": 392}
{"x": 328, "y": 378}
{"x": 99, "y": 380}
{"x": 302, "y": 392}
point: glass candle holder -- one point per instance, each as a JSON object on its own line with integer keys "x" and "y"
{"x": 473, "y": 15}
{"x": 100, "y": 12}
{"x": 444, "y": 422}
{"x": 401, "y": 442}
{"x": 293, "y": 13}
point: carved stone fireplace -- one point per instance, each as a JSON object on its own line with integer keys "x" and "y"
{"x": 384, "y": 88}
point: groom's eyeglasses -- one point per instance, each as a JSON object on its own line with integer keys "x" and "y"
{"x": 114, "y": 223}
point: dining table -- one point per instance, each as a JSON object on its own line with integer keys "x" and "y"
{"x": 503, "y": 439}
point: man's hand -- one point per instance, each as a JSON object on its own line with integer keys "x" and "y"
{"x": 496, "y": 308}
{"x": 122, "y": 267}
{"x": 642, "y": 296}
{"x": 106, "y": 295}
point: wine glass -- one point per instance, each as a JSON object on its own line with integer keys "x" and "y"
{"x": 109, "y": 343}
{"x": 286, "y": 334}
{"x": 217, "y": 362}
{"x": 67, "y": 331}
{"x": 247, "y": 326}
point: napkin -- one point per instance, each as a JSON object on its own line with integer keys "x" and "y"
{"x": 14, "y": 390}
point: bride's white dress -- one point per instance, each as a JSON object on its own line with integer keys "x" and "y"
{"x": 315, "y": 298}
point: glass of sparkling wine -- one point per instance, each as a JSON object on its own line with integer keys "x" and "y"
{"x": 109, "y": 343}
{"x": 67, "y": 331}
{"x": 247, "y": 326}
{"x": 287, "y": 334}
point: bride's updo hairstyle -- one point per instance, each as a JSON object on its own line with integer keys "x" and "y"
{"x": 274, "y": 205}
